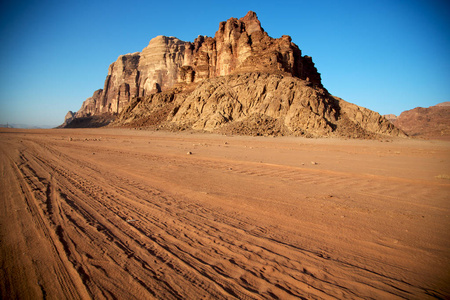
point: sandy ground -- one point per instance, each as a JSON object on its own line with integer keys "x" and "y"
{"x": 130, "y": 214}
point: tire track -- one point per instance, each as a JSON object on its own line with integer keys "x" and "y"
{"x": 112, "y": 227}
{"x": 236, "y": 227}
{"x": 124, "y": 239}
{"x": 71, "y": 282}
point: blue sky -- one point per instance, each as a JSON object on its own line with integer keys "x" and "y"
{"x": 388, "y": 56}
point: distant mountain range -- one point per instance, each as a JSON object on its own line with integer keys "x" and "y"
{"x": 24, "y": 126}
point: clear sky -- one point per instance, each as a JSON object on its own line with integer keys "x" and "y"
{"x": 386, "y": 55}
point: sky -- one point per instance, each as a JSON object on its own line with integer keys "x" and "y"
{"x": 386, "y": 55}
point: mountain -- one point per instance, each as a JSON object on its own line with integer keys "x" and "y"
{"x": 241, "y": 80}
{"x": 26, "y": 126}
{"x": 430, "y": 123}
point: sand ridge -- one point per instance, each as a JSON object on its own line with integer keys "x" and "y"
{"x": 108, "y": 213}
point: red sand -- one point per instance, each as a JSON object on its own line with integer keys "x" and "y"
{"x": 130, "y": 214}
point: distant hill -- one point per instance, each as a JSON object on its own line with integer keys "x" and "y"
{"x": 25, "y": 126}
{"x": 429, "y": 123}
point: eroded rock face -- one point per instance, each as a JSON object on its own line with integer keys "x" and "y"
{"x": 243, "y": 45}
{"x": 91, "y": 105}
{"x": 240, "y": 45}
{"x": 68, "y": 118}
{"x": 236, "y": 97}
{"x": 160, "y": 62}
{"x": 121, "y": 84}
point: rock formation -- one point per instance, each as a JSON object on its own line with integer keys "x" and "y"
{"x": 238, "y": 45}
{"x": 431, "y": 123}
{"x": 68, "y": 118}
{"x": 241, "y": 80}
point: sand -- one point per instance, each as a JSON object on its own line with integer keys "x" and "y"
{"x": 128, "y": 214}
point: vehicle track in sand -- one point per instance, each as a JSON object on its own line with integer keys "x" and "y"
{"x": 113, "y": 228}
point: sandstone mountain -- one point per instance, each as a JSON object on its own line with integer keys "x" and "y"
{"x": 241, "y": 80}
{"x": 431, "y": 123}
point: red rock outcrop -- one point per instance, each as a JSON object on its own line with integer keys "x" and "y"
{"x": 240, "y": 45}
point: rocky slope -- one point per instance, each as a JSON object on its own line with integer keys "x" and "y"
{"x": 256, "y": 104}
{"x": 431, "y": 123}
{"x": 241, "y": 80}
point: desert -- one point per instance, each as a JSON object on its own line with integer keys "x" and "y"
{"x": 223, "y": 166}
{"x": 148, "y": 214}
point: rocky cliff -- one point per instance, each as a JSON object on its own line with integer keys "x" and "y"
{"x": 241, "y": 80}
{"x": 68, "y": 118}
{"x": 239, "y": 45}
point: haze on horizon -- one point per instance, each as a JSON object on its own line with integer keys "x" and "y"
{"x": 388, "y": 56}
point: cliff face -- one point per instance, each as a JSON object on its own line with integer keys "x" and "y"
{"x": 67, "y": 119}
{"x": 240, "y": 45}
